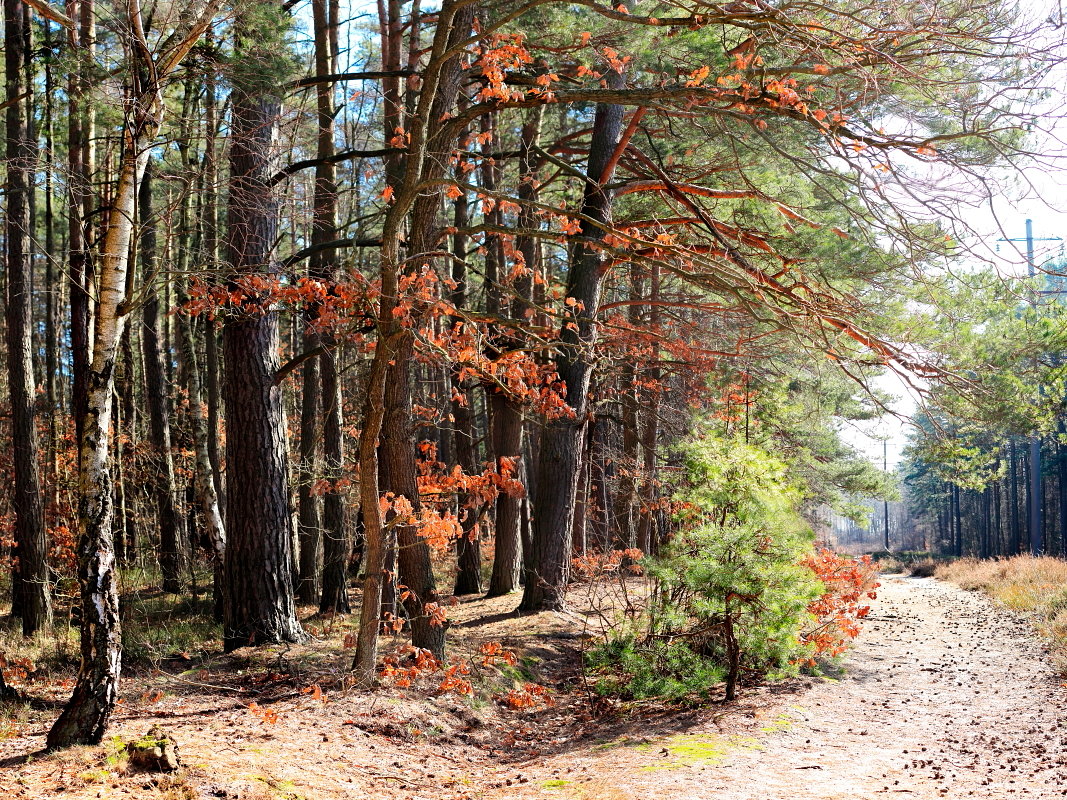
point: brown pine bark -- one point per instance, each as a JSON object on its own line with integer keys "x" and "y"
{"x": 309, "y": 503}
{"x": 508, "y": 423}
{"x": 337, "y": 540}
{"x": 468, "y": 550}
{"x": 563, "y": 440}
{"x": 259, "y": 602}
{"x": 31, "y": 595}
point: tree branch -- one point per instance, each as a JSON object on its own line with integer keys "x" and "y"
{"x": 315, "y": 80}
{"x": 49, "y": 11}
{"x": 335, "y": 244}
{"x": 336, "y": 158}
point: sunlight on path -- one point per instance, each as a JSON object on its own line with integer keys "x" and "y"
{"x": 942, "y": 697}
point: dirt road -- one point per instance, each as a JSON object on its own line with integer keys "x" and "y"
{"x": 943, "y": 696}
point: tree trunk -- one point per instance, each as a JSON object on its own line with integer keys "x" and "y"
{"x": 309, "y": 502}
{"x": 206, "y": 496}
{"x": 507, "y": 415}
{"x": 374, "y": 534}
{"x": 468, "y": 550}
{"x": 172, "y": 550}
{"x": 563, "y": 440}
{"x": 337, "y": 540}
{"x": 52, "y": 279}
{"x": 507, "y": 430}
{"x": 85, "y": 717}
{"x": 31, "y": 595}
{"x": 210, "y": 240}
{"x": 647, "y": 541}
{"x": 259, "y": 604}
{"x": 81, "y": 155}
{"x": 397, "y": 449}
{"x": 1016, "y": 524}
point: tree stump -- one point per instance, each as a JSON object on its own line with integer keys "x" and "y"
{"x": 156, "y": 751}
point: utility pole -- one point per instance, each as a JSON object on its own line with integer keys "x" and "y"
{"x": 885, "y": 501}
{"x": 1034, "y": 515}
{"x": 1036, "y": 533}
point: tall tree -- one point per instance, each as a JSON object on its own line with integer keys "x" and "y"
{"x": 337, "y": 543}
{"x": 86, "y": 715}
{"x": 32, "y": 597}
{"x": 259, "y": 602}
{"x": 563, "y": 440}
{"x": 172, "y": 550}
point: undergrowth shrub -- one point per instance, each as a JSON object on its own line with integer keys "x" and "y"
{"x": 731, "y": 593}
{"x": 738, "y": 591}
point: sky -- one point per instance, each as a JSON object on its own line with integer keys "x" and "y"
{"x": 1039, "y": 194}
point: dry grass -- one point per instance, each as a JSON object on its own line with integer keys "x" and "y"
{"x": 1034, "y": 586}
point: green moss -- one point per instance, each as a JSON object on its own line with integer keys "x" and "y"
{"x": 782, "y": 722}
{"x": 688, "y": 750}
{"x": 555, "y": 784}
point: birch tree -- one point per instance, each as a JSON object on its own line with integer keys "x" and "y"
{"x": 86, "y": 715}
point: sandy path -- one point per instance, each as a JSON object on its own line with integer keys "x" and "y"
{"x": 943, "y": 696}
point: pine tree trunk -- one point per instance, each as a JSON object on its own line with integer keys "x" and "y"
{"x": 468, "y": 550}
{"x": 507, "y": 415}
{"x": 259, "y": 602}
{"x": 206, "y": 496}
{"x": 563, "y": 440}
{"x": 309, "y": 503}
{"x": 337, "y": 540}
{"x": 507, "y": 429}
{"x": 32, "y": 597}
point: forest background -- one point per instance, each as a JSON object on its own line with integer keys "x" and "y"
{"x": 406, "y": 297}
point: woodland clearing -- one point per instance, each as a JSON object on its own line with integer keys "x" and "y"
{"x": 943, "y": 695}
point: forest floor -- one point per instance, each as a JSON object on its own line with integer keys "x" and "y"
{"x": 944, "y": 695}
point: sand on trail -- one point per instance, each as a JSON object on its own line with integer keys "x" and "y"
{"x": 944, "y": 695}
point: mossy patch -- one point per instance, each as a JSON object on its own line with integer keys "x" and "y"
{"x": 555, "y": 784}
{"x": 688, "y": 750}
{"x": 782, "y": 722}
{"x": 621, "y": 741}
